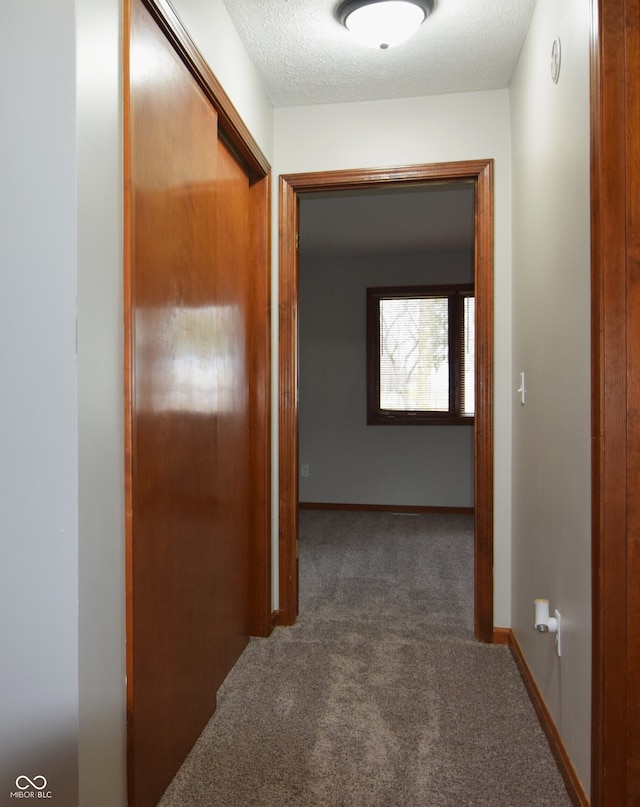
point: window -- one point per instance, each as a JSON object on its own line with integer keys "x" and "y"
{"x": 420, "y": 355}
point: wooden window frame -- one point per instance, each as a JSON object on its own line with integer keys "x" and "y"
{"x": 376, "y": 416}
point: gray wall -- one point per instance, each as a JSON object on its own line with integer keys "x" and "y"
{"x": 349, "y": 461}
{"x": 38, "y": 407}
{"x": 551, "y": 535}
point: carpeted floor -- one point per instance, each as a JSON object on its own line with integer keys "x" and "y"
{"x": 379, "y": 696}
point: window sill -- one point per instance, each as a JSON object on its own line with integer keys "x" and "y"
{"x": 417, "y": 419}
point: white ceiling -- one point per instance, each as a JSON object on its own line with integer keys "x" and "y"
{"x": 305, "y": 56}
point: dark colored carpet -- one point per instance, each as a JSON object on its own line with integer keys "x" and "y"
{"x": 379, "y": 696}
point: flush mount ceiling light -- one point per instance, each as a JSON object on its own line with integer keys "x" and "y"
{"x": 384, "y": 23}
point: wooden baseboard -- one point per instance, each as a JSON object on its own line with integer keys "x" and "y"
{"x": 280, "y": 619}
{"x": 502, "y": 636}
{"x": 573, "y": 784}
{"x": 387, "y": 508}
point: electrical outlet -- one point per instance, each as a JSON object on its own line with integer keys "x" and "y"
{"x": 304, "y": 470}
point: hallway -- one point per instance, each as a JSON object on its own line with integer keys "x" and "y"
{"x": 379, "y": 695}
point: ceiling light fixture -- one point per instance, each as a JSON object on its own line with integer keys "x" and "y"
{"x": 384, "y": 23}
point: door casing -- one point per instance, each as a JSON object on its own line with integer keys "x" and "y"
{"x": 615, "y": 322}
{"x": 480, "y": 172}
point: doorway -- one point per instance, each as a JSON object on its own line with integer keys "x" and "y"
{"x": 479, "y": 173}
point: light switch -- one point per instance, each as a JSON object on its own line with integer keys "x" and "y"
{"x": 521, "y": 389}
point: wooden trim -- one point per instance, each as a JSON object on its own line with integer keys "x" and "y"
{"x": 615, "y": 219}
{"x": 128, "y": 386}
{"x": 288, "y": 405}
{"x": 484, "y": 439}
{"x": 572, "y": 782}
{"x": 481, "y": 173}
{"x": 502, "y": 636}
{"x": 387, "y": 508}
{"x": 259, "y": 344}
{"x": 632, "y": 242}
{"x": 235, "y": 131}
{"x": 370, "y": 178}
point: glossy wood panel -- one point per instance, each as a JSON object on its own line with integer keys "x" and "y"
{"x": 174, "y": 660}
{"x": 230, "y": 121}
{"x": 481, "y": 173}
{"x": 196, "y": 302}
{"x": 232, "y": 487}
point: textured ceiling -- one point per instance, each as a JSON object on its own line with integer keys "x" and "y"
{"x": 305, "y": 56}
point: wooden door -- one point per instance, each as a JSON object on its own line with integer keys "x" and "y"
{"x": 192, "y": 471}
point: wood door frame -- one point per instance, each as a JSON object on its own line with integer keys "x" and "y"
{"x": 615, "y": 224}
{"x": 291, "y": 185}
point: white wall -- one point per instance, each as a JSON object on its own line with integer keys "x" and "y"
{"x": 38, "y": 414}
{"x": 551, "y": 313}
{"x": 349, "y": 461}
{"x": 424, "y": 130}
{"x": 101, "y": 625}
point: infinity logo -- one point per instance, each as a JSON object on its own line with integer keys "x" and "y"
{"x": 23, "y": 782}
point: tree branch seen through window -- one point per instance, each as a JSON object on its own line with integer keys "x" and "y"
{"x": 421, "y": 355}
